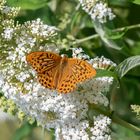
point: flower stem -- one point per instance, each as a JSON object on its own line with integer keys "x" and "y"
{"x": 115, "y": 118}
{"x": 78, "y": 41}
{"x": 130, "y": 126}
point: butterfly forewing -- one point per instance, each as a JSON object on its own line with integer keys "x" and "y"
{"x": 43, "y": 61}
{"x": 81, "y": 70}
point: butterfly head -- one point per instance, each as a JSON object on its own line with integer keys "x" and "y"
{"x": 64, "y": 56}
{"x": 64, "y": 59}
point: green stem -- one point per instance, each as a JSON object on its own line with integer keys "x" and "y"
{"x": 121, "y": 122}
{"x": 128, "y": 27}
{"x": 78, "y": 41}
{"x": 115, "y": 118}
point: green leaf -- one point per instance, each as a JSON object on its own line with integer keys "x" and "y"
{"x": 44, "y": 13}
{"x": 27, "y": 4}
{"x": 102, "y": 73}
{"x": 102, "y": 30}
{"x": 119, "y": 3}
{"x": 127, "y": 65}
{"x": 135, "y": 1}
{"x": 23, "y": 131}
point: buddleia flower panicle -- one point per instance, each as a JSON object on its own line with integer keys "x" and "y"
{"x": 23, "y": 96}
{"x": 40, "y": 30}
{"x": 98, "y": 10}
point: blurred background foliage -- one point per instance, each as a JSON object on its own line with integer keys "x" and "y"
{"x": 76, "y": 25}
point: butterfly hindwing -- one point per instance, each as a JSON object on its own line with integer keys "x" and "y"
{"x": 43, "y": 61}
{"x": 67, "y": 85}
{"x": 47, "y": 79}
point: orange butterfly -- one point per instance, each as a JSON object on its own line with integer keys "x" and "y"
{"x": 60, "y": 73}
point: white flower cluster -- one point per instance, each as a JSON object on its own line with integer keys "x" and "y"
{"x": 102, "y": 63}
{"x": 73, "y": 131}
{"x": 101, "y": 130}
{"x": 8, "y": 33}
{"x": 98, "y": 10}
{"x": 8, "y": 29}
{"x": 66, "y": 113}
{"x": 78, "y": 53}
{"x": 40, "y": 30}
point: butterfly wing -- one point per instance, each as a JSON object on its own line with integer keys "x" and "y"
{"x": 67, "y": 84}
{"x": 82, "y": 70}
{"x": 76, "y": 71}
{"x": 46, "y": 64}
{"x": 43, "y": 61}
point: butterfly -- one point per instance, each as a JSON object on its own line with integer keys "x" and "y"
{"x": 59, "y": 73}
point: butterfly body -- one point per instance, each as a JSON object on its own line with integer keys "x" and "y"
{"x": 60, "y": 70}
{"x": 60, "y": 73}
